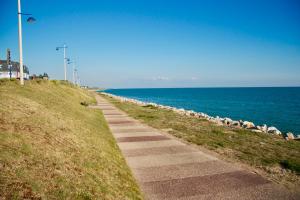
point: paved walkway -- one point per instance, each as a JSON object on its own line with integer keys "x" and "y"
{"x": 166, "y": 168}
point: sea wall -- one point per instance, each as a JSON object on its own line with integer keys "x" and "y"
{"x": 217, "y": 120}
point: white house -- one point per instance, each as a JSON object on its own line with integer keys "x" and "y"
{"x": 14, "y": 70}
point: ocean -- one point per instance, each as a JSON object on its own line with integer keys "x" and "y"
{"x": 274, "y": 106}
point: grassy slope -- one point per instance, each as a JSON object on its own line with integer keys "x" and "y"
{"x": 269, "y": 153}
{"x": 52, "y": 147}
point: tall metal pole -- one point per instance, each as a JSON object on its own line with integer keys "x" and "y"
{"x": 8, "y": 61}
{"x": 76, "y": 76}
{"x": 65, "y": 62}
{"x": 74, "y": 82}
{"x": 20, "y": 43}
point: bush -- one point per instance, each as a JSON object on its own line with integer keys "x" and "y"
{"x": 6, "y": 80}
{"x": 149, "y": 106}
{"x": 84, "y": 103}
{"x": 288, "y": 164}
{"x": 55, "y": 82}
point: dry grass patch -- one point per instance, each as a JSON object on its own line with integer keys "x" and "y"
{"x": 52, "y": 147}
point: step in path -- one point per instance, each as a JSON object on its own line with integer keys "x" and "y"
{"x": 166, "y": 168}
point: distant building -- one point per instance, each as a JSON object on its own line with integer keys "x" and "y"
{"x": 10, "y": 69}
{"x": 13, "y": 68}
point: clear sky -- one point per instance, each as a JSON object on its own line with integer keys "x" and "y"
{"x": 160, "y": 43}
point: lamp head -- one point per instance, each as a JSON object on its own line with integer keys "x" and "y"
{"x": 31, "y": 20}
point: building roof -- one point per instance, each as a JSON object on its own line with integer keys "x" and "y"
{"x": 15, "y": 67}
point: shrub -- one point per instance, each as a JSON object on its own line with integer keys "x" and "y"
{"x": 288, "y": 164}
{"x": 84, "y": 103}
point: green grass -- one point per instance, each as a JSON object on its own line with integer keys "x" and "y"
{"x": 52, "y": 146}
{"x": 262, "y": 151}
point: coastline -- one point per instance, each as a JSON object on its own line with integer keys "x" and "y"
{"x": 267, "y": 154}
{"x": 221, "y": 121}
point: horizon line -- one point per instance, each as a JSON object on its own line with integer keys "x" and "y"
{"x": 207, "y": 87}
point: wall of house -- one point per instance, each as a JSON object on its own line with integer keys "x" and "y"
{"x": 13, "y": 75}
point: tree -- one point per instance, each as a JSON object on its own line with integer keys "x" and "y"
{"x": 45, "y": 75}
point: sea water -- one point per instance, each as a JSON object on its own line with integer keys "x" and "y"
{"x": 274, "y": 106}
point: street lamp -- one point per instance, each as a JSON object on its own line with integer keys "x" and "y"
{"x": 77, "y": 78}
{"x": 75, "y": 75}
{"x": 29, "y": 20}
{"x": 65, "y": 59}
{"x": 74, "y": 71}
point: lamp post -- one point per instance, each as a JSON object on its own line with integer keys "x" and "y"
{"x": 30, "y": 20}
{"x": 74, "y": 71}
{"x": 8, "y": 61}
{"x": 65, "y": 58}
{"x": 76, "y": 77}
{"x": 77, "y": 82}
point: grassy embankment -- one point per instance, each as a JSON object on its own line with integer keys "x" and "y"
{"x": 271, "y": 155}
{"x": 52, "y": 147}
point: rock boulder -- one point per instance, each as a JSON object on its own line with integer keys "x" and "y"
{"x": 273, "y": 130}
{"x": 289, "y": 136}
{"x": 236, "y": 124}
{"x": 248, "y": 125}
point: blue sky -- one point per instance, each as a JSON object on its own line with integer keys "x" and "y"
{"x": 157, "y": 43}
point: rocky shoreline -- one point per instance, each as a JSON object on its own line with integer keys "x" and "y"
{"x": 217, "y": 120}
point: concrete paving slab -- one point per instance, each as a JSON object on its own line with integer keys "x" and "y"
{"x": 110, "y": 109}
{"x": 130, "y": 129}
{"x": 211, "y": 184}
{"x": 106, "y": 106}
{"x": 113, "y": 114}
{"x": 142, "y": 138}
{"x": 258, "y": 192}
{"x": 135, "y": 131}
{"x": 133, "y": 126}
{"x": 116, "y": 117}
{"x": 151, "y": 144}
{"x": 168, "y": 159}
{"x": 122, "y": 122}
{"x": 135, "y": 134}
{"x": 158, "y": 151}
{"x": 178, "y": 171}
{"x": 94, "y": 107}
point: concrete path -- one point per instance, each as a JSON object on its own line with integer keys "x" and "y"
{"x": 166, "y": 168}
